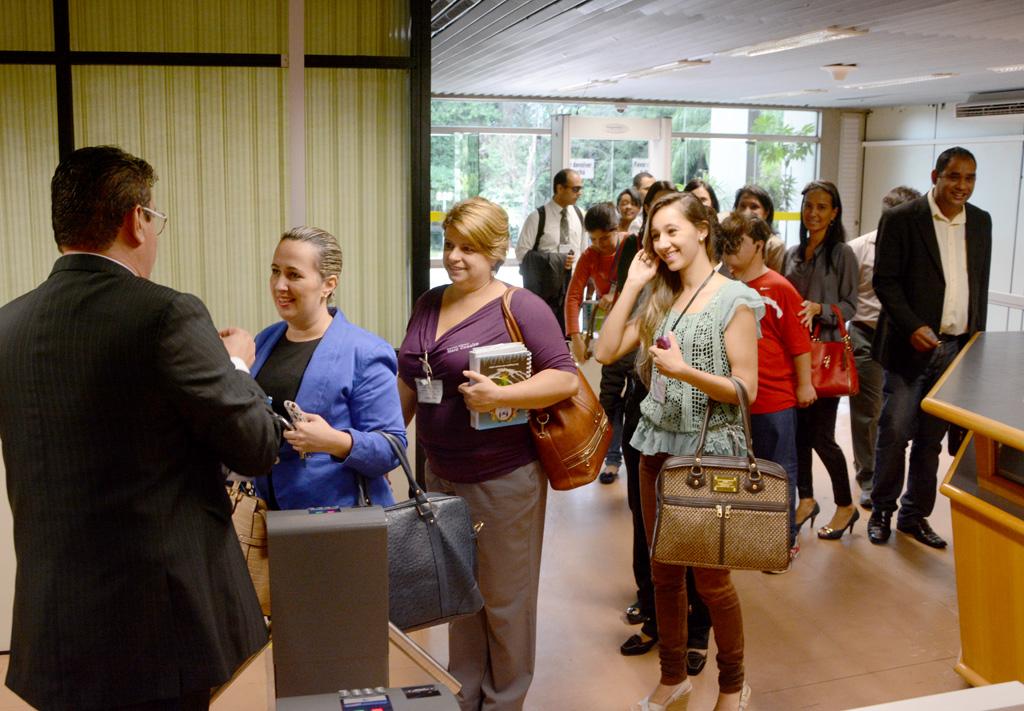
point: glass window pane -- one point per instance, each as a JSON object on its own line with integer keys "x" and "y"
{"x": 784, "y": 123}
{"x": 380, "y": 28}
{"x": 257, "y": 26}
{"x": 27, "y": 26}
{"x": 613, "y": 167}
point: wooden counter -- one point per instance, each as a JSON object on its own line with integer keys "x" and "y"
{"x": 983, "y": 391}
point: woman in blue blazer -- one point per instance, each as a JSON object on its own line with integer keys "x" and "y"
{"x": 340, "y": 375}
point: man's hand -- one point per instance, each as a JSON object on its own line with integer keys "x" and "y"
{"x": 579, "y": 349}
{"x": 239, "y": 344}
{"x": 570, "y": 259}
{"x": 924, "y": 339}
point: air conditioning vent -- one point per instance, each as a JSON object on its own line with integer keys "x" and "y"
{"x": 1004, "y": 103}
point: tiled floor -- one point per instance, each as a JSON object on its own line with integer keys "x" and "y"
{"x": 851, "y": 624}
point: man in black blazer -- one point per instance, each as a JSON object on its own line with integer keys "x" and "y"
{"x": 118, "y": 404}
{"x": 932, "y": 259}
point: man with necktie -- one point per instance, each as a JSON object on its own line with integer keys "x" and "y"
{"x": 550, "y": 239}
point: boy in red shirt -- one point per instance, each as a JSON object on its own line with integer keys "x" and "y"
{"x": 783, "y": 351}
{"x": 597, "y": 264}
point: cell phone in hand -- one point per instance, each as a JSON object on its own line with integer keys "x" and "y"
{"x": 663, "y": 343}
{"x": 295, "y": 412}
{"x": 284, "y": 421}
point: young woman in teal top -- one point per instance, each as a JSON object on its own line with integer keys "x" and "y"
{"x": 709, "y": 324}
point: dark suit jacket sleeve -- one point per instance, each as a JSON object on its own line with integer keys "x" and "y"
{"x": 225, "y": 408}
{"x": 892, "y": 254}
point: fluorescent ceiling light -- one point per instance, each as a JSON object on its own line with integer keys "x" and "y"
{"x": 665, "y": 68}
{"x": 805, "y": 40}
{"x": 587, "y": 84}
{"x": 903, "y": 80}
{"x": 1008, "y": 68}
{"x": 676, "y": 66}
{"x": 787, "y": 94}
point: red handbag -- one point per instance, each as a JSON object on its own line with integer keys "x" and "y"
{"x": 833, "y": 370}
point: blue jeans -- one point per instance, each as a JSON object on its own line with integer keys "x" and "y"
{"x": 902, "y": 420}
{"x": 774, "y": 438}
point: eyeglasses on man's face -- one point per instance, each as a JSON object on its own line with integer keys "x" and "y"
{"x": 156, "y": 215}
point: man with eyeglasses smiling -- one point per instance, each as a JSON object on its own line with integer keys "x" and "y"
{"x": 119, "y": 402}
{"x": 549, "y": 241}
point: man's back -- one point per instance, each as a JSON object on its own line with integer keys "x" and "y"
{"x": 117, "y": 405}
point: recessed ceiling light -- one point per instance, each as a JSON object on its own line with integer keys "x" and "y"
{"x": 796, "y": 42}
{"x": 1008, "y": 68}
{"x": 786, "y": 94}
{"x": 902, "y": 80}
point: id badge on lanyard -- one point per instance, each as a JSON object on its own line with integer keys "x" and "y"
{"x": 428, "y": 390}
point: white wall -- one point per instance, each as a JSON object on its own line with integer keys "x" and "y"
{"x": 900, "y": 148}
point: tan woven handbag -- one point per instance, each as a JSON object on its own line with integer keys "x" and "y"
{"x": 720, "y": 511}
{"x": 249, "y": 516}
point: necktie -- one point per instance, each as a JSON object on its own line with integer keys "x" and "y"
{"x": 563, "y": 227}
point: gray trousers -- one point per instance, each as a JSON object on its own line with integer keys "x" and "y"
{"x": 492, "y": 653}
{"x": 865, "y": 407}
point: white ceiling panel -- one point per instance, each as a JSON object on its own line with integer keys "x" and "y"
{"x": 544, "y": 47}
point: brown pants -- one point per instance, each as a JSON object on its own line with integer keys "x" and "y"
{"x": 715, "y": 588}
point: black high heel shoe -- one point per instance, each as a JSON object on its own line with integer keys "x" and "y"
{"x": 813, "y": 514}
{"x": 834, "y": 534}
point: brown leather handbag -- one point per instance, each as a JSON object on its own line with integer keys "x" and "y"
{"x": 721, "y": 511}
{"x": 833, "y": 369}
{"x": 571, "y": 436}
{"x": 249, "y": 516}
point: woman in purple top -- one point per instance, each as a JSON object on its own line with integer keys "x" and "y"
{"x": 495, "y": 470}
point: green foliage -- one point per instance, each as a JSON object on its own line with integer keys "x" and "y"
{"x": 775, "y": 158}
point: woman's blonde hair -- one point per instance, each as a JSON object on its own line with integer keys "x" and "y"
{"x": 329, "y": 257}
{"x": 666, "y": 285}
{"x": 483, "y": 224}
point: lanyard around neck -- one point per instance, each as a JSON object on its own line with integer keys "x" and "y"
{"x": 690, "y": 302}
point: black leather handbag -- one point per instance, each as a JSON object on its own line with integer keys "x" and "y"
{"x": 431, "y": 555}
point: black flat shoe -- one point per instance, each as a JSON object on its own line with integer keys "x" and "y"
{"x": 637, "y": 645}
{"x": 879, "y": 526}
{"x": 695, "y": 661}
{"x": 634, "y": 616}
{"x": 922, "y": 532}
{"x": 608, "y": 476}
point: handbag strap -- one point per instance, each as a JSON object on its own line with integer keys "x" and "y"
{"x": 754, "y": 480}
{"x": 816, "y": 336}
{"x": 423, "y": 506}
{"x": 510, "y": 320}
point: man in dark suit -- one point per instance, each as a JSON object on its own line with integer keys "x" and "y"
{"x": 932, "y": 259}
{"x": 118, "y": 404}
